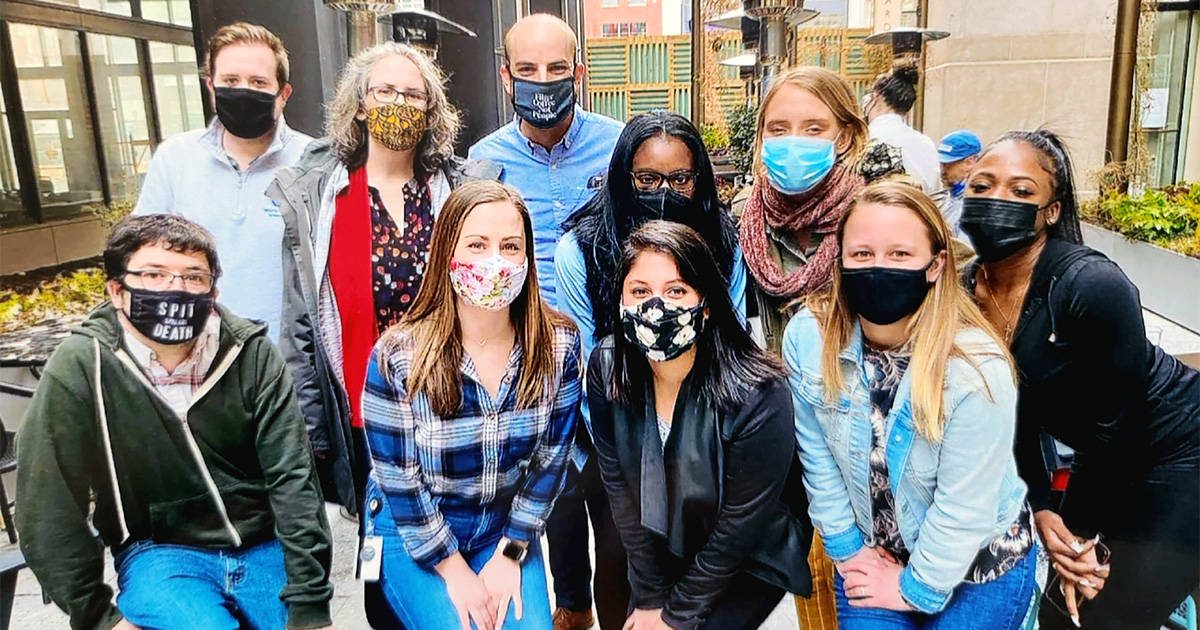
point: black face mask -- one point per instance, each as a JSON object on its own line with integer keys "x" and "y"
{"x": 664, "y": 203}
{"x": 246, "y": 113}
{"x": 662, "y": 330}
{"x": 884, "y": 295}
{"x": 543, "y": 105}
{"x": 168, "y": 317}
{"x": 999, "y": 228}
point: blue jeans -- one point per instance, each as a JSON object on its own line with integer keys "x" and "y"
{"x": 998, "y": 605}
{"x": 169, "y": 587}
{"x": 419, "y": 597}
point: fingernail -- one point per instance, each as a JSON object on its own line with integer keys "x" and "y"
{"x": 1087, "y": 583}
{"x": 1075, "y": 544}
{"x": 1103, "y": 567}
{"x": 1096, "y": 540}
{"x": 1075, "y": 620}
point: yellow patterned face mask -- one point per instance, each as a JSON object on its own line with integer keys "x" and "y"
{"x": 397, "y": 126}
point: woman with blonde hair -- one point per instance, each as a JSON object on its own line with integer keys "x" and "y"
{"x": 810, "y": 135}
{"x": 470, "y": 407}
{"x": 905, "y": 404}
{"x": 358, "y": 213}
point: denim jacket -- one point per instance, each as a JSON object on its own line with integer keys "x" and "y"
{"x": 952, "y": 497}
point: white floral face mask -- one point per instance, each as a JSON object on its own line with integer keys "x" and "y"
{"x": 662, "y": 330}
{"x": 492, "y": 283}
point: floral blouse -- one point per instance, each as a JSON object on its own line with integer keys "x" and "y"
{"x": 885, "y": 369}
{"x": 398, "y": 256}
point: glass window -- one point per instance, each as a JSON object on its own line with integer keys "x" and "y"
{"x": 11, "y": 210}
{"x": 176, "y": 88}
{"x": 116, "y": 7}
{"x": 121, "y": 105}
{"x": 53, "y": 92}
{"x": 177, "y": 12}
{"x": 1162, "y": 105}
{"x": 608, "y": 3}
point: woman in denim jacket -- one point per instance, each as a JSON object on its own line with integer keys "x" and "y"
{"x": 910, "y": 472}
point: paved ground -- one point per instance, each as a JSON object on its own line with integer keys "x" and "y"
{"x": 30, "y": 614}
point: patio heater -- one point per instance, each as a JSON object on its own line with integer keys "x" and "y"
{"x": 422, "y": 29}
{"x": 776, "y": 18}
{"x": 908, "y": 46}
{"x": 362, "y": 17}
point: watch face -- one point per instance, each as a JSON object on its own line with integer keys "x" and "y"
{"x": 513, "y": 551}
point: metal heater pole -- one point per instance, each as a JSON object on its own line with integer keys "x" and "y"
{"x": 697, "y": 63}
{"x": 1120, "y": 93}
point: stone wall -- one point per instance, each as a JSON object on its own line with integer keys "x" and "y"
{"x": 1021, "y": 64}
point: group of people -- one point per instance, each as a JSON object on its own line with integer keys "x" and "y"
{"x": 556, "y": 337}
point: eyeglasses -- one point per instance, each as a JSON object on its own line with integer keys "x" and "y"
{"x": 162, "y": 280}
{"x": 683, "y": 181}
{"x": 387, "y": 95}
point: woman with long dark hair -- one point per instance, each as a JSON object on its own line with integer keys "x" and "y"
{"x": 1089, "y": 378}
{"x": 692, "y": 423}
{"x": 659, "y": 170}
{"x": 470, "y": 406}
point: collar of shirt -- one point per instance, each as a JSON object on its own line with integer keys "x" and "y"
{"x": 193, "y": 369}
{"x": 567, "y": 140}
{"x": 214, "y": 135}
{"x": 887, "y": 121}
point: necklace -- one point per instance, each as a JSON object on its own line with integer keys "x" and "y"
{"x": 1006, "y": 316}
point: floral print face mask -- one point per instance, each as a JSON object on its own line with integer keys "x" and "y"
{"x": 662, "y": 330}
{"x": 492, "y": 283}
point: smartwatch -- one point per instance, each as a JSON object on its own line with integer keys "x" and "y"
{"x": 514, "y": 551}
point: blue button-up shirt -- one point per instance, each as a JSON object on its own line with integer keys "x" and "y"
{"x": 192, "y": 176}
{"x": 554, "y": 183}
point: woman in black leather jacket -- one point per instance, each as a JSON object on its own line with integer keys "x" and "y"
{"x": 1089, "y": 378}
{"x": 693, "y": 427}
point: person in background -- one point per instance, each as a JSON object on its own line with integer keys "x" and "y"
{"x": 905, "y": 414}
{"x": 809, "y": 139}
{"x": 1090, "y": 379}
{"x": 885, "y": 108}
{"x": 359, "y": 212}
{"x": 176, "y": 421}
{"x": 470, "y": 409}
{"x": 217, "y": 176}
{"x": 669, "y": 177}
{"x": 693, "y": 427}
{"x": 957, "y": 152}
{"x": 556, "y": 154}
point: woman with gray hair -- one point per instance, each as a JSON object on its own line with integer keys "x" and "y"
{"x": 358, "y": 213}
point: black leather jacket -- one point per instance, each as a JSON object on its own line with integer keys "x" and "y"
{"x": 1089, "y": 378}
{"x": 725, "y": 495}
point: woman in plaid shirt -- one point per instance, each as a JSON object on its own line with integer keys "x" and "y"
{"x": 469, "y": 408}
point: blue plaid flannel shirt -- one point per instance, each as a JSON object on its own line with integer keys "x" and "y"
{"x": 490, "y": 457}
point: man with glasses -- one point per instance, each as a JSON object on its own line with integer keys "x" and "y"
{"x": 177, "y": 421}
{"x": 217, "y": 176}
{"x": 553, "y": 152}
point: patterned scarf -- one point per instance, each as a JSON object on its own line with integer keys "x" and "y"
{"x": 819, "y": 210}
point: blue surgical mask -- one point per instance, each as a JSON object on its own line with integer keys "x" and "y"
{"x": 796, "y": 164}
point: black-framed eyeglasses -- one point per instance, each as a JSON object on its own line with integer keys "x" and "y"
{"x": 163, "y": 280}
{"x": 683, "y": 180}
{"x": 1054, "y": 587}
{"x": 387, "y": 95}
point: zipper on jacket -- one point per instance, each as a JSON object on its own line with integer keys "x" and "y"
{"x": 209, "y": 483}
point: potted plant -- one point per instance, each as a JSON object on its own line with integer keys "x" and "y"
{"x": 1154, "y": 239}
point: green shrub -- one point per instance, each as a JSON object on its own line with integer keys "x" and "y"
{"x": 715, "y": 139}
{"x": 113, "y": 212}
{"x": 743, "y": 123}
{"x": 73, "y": 293}
{"x": 1168, "y": 217}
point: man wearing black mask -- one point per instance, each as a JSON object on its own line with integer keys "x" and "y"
{"x": 177, "y": 421}
{"x": 218, "y": 176}
{"x": 553, "y": 152}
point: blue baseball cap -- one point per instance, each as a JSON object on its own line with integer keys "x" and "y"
{"x": 958, "y": 145}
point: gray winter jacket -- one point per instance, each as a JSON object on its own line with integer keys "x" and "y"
{"x": 311, "y": 333}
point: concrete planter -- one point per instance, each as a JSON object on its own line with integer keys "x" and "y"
{"x": 1169, "y": 283}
